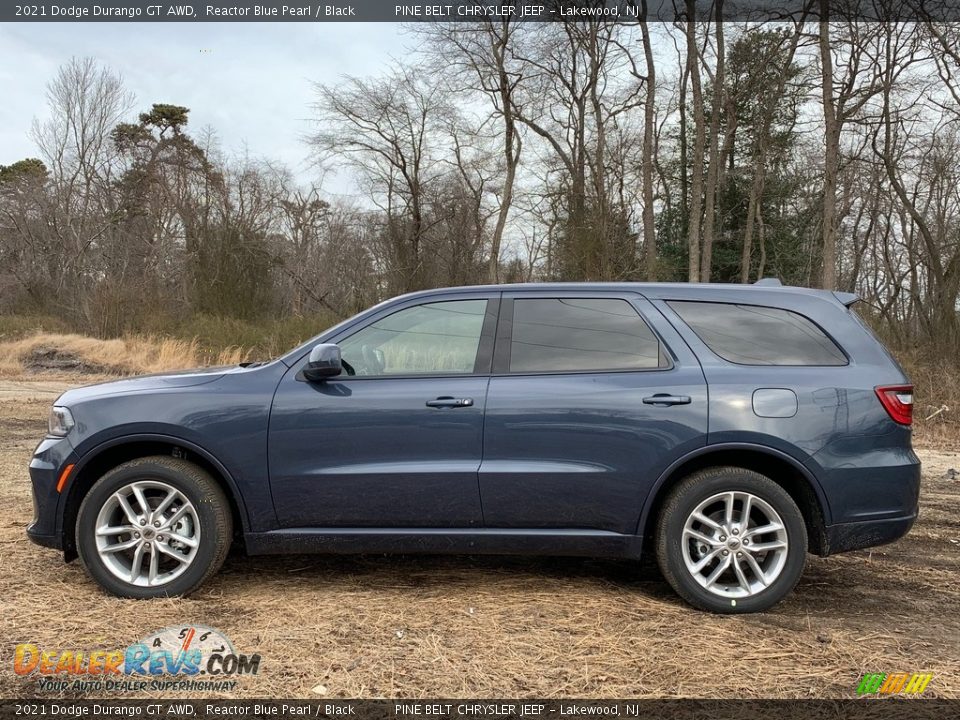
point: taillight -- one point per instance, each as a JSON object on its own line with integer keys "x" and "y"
{"x": 897, "y": 400}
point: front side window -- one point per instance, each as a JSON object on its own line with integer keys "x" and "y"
{"x": 754, "y": 335}
{"x": 580, "y": 334}
{"x": 436, "y": 338}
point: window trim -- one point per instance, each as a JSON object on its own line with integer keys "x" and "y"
{"x": 669, "y": 304}
{"x": 503, "y": 348}
{"x": 485, "y": 348}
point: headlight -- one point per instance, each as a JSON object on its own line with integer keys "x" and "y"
{"x": 60, "y": 422}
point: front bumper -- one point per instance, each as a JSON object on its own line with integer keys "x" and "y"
{"x": 51, "y": 541}
{"x": 51, "y": 455}
{"x": 844, "y": 537}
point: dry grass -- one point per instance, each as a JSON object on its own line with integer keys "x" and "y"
{"x": 45, "y": 352}
{"x": 936, "y": 411}
{"x": 505, "y": 627}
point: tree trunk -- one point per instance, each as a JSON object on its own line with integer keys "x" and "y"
{"x": 512, "y": 145}
{"x": 831, "y": 157}
{"x": 696, "y": 181}
{"x": 512, "y": 158}
{"x": 712, "y": 188}
{"x": 646, "y": 167}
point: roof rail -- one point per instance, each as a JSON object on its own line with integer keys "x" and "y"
{"x": 769, "y": 282}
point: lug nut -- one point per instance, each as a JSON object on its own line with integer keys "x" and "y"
{"x": 156, "y": 524}
{"x": 147, "y": 545}
{"x": 160, "y": 538}
{"x": 142, "y": 521}
{"x": 136, "y": 535}
{"x": 726, "y": 552}
{"x": 746, "y": 541}
{"x": 736, "y": 531}
{"x": 739, "y": 554}
{"x": 722, "y": 538}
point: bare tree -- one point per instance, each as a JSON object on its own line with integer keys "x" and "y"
{"x": 383, "y": 129}
{"x": 482, "y": 53}
{"x": 85, "y": 102}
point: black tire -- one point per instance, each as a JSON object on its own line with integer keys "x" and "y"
{"x": 697, "y": 488}
{"x": 212, "y": 509}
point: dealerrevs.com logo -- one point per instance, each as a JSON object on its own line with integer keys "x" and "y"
{"x": 192, "y": 657}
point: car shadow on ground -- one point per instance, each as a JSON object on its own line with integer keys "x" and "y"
{"x": 827, "y": 585}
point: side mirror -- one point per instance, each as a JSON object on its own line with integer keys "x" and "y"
{"x": 324, "y": 362}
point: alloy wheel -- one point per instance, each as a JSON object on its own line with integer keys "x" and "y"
{"x": 734, "y": 544}
{"x": 147, "y": 533}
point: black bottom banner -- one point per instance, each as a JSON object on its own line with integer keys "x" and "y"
{"x": 912, "y": 709}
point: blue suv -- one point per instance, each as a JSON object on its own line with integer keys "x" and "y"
{"x": 728, "y": 429}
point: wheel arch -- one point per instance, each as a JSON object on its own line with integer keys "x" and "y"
{"x": 116, "y": 451}
{"x": 785, "y": 470}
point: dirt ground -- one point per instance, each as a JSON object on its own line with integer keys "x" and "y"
{"x": 502, "y": 627}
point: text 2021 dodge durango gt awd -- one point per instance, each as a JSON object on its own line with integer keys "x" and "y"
{"x": 729, "y": 429}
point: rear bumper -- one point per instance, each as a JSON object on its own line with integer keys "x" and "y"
{"x": 856, "y": 535}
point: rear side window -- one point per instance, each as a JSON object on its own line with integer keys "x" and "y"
{"x": 753, "y": 335}
{"x": 580, "y": 334}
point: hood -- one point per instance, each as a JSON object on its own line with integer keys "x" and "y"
{"x": 140, "y": 383}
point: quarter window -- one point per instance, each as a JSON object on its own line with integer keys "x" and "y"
{"x": 755, "y": 335}
{"x": 436, "y": 338}
{"x": 580, "y": 334}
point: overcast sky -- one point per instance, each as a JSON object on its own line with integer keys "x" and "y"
{"x": 250, "y": 81}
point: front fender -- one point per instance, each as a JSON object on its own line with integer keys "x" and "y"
{"x": 87, "y": 452}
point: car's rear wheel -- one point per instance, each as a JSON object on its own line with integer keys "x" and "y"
{"x": 154, "y": 527}
{"x": 731, "y": 540}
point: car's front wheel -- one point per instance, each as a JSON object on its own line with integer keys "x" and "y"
{"x": 731, "y": 540}
{"x": 154, "y": 527}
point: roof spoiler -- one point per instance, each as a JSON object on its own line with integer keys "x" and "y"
{"x": 846, "y": 298}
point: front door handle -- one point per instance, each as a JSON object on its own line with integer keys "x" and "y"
{"x": 664, "y": 399}
{"x": 450, "y": 402}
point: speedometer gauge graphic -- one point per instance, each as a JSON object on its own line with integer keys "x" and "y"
{"x": 180, "y": 639}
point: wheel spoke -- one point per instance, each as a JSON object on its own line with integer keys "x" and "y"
{"x": 767, "y": 546}
{"x": 728, "y": 509}
{"x": 109, "y": 530}
{"x": 704, "y": 520}
{"x": 700, "y": 537}
{"x": 183, "y": 559}
{"x": 137, "y": 565}
{"x": 172, "y": 520}
{"x": 141, "y": 500}
{"x": 705, "y": 560}
{"x": 745, "y": 513}
{"x": 127, "y": 510}
{"x": 162, "y": 507}
{"x": 764, "y": 529}
{"x": 757, "y": 570}
{"x": 154, "y": 566}
{"x": 120, "y": 546}
{"x": 718, "y": 571}
{"x": 188, "y": 541}
{"x": 741, "y": 576}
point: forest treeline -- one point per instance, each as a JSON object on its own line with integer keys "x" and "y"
{"x": 822, "y": 153}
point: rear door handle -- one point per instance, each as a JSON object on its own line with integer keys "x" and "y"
{"x": 664, "y": 399}
{"x": 450, "y": 402}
